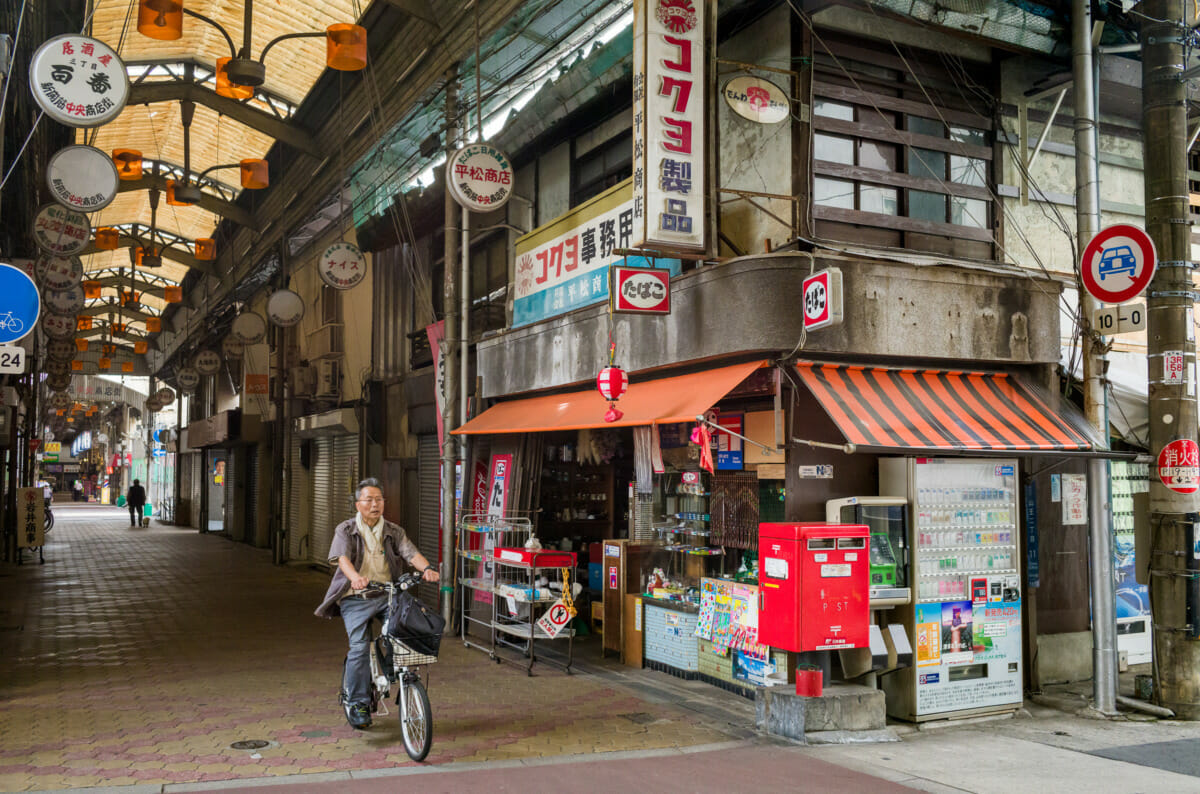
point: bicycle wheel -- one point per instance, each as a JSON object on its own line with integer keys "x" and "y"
{"x": 49, "y": 521}
{"x": 416, "y": 721}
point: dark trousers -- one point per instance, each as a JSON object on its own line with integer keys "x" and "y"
{"x": 135, "y": 514}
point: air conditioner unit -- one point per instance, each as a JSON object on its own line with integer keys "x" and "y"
{"x": 329, "y": 378}
{"x": 302, "y": 381}
{"x": 328, "y": 340}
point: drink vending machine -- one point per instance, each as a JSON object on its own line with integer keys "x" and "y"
{"x": 964, "y": 621}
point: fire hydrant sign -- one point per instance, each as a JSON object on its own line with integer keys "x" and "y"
{"x": 823, "y": 299}
{"x": 555, "y": 619}
{"x": 1118, "y": 263}
{"x": 1179, "y": 465}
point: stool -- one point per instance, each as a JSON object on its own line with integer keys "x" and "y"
{"x": 597, "y": 615}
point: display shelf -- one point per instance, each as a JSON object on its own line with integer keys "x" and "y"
{"x": 576, "y": 499}
{"x": 520, "y": 629}
{"x": 477, "y": 536}
{"x": 519, "y": 602}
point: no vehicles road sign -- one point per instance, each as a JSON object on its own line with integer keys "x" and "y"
{"x": 1117, "y": 264}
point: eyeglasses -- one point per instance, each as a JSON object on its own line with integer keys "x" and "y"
{"x": 373, "y": 499}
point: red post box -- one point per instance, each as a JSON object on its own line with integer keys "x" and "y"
{"x": 813, "y": 586}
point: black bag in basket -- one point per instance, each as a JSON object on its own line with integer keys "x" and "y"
{"x": 414, "y": 624}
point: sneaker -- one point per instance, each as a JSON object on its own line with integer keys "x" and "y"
{"x": 358, "y": 715}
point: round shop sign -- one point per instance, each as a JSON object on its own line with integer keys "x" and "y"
{"x": 153, "y": 405}
{"x": 249, "y": 327}
{"x": 285, "y": 308}
{"x": 232, "y": 347}
{"x": 82, "y": 178}
{"x": 58, "y": 272}
{"x": 757, "y": 99}
{"x": 60, "y": 383}
{"x": 60, "y": 231}
{"x": 1118, "y": 263}
{"x": 78, "y": 81}
{"x": 60, "y": 349}
{"x": 207, "y": 362}
{"x": 480, "y": 177}
{"x": 60, "y": 399}
{"x": 1179, "y": 465}
{"x": 342, "y": 266}
{"x": 55, "y": 366}
{"x": 165, "y": 395}
{"x": 63, "y": 301}
{"x": 187, "y": 379}
{"x": 20, "y": 304}
{"x": 58, "y": 326}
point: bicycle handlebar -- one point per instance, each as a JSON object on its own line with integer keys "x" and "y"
{"x": 405, "y": 581}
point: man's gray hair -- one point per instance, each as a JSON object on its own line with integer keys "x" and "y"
{"x": 368, "y": 482}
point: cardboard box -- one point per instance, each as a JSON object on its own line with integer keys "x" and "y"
{"x": 632, "y": 626}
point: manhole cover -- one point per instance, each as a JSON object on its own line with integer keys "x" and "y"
{"x": 639, "y": 717}
{"x": 249, "y": 744}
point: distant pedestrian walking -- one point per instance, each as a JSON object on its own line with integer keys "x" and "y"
{"x": 136, "y": 499}
{"x": 77, "y": 489}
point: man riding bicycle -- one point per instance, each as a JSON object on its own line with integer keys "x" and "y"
{"x": 366, "y": 548}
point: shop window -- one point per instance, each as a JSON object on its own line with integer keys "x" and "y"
{"x": 331, "y": 305}
{"x": 602, "y": 167}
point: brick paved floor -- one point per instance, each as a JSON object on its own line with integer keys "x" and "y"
{"x": 141, "y": 655}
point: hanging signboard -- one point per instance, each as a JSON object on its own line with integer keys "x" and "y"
{"x": 564, "y": 265}
{"x": 249, "y": 327}
{"x": 61, "y": 231}
{"x": 1118, "y": 264}
{"x": 20, "y": 304}
{"x": 58, "y": 326}
{"x": 823, "y": 299}
{"x": 670, "y": 46}
{"x": 207, "y": 362}
{"x": 480, "y": 177}
{"x": 78, "y": 81}
{"x": 1179, "y": 465}
{"x": 58, "y": 272}
{"x": 64, "y": 301}
{"x": 756, "y": 99}
{"x": 82, "y": 178}
{"x": 342, "y": 266}
{"x": 285, "y": 308}
{"x": 187, "y": 379}
{"x": 640, "y": 290}
{"x": 232, "y": 347}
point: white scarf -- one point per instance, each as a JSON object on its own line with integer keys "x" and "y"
{"x": 372, "y": 536}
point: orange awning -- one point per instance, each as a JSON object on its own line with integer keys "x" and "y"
{"x": 661, "y": 400}
{"x": 931, "y": 409}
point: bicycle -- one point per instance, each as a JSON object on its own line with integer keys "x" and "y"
{"x": 49, "y": 523}
{"x": 416, "y": 719}
{"x": 10, "y": 323}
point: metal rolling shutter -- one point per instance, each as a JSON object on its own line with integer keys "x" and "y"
{"x": 183, "y": 506}
{"x": 345, "y": 476}
{"x": 298, "y": 516}
{"x": 324, "y": 517}
{"x": 199, "y": 478}
{"x": 429, "y": 467}
{"x": 230, "y": 519}
{"x": 252, "y": 480}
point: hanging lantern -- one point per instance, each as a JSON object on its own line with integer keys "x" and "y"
{"x": 206, "y": 249}
{"x": 226, "y": 87}
{"x": 346, "y": 47}
{"x": 173, "y": 294}
{"x": 81, "y": 345}
{"x": 107, "y": 238}
{"x": 119, "y": 328}
{"x": 140, "y": 347}
{"x": 171, "y": 199}
{"x": 127, "y": 366}
{"x": 91, "y": 290}
{"x": 153, "y": 325}
{"x": 104, "y": 362}
{"x": 76, "y": 366}
{"x": 128, "y": 163}
{"x": 160, "y": 19}
{"x": 612, "y": 383}
{"x": 129, "y": 296}
{"x": 255, "y": 174}
{"x": 83, "y": 322}
{"x": 63, "y": 411}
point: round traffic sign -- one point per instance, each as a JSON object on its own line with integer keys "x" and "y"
{"x": 1118, "y": 263}
{"x": 1179, "y": 465}
{"x": 20, "y": 304}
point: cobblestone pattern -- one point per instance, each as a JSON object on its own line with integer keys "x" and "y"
{"x": 141, "y": 655}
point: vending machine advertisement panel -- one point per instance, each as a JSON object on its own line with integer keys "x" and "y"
{"x": 965, "y": 621}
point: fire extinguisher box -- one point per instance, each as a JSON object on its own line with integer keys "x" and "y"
{"x": 813, "y": 586}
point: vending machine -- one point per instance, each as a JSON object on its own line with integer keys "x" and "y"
{"x": 964, "y": 621}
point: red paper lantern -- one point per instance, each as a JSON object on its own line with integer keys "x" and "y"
{"x": 612, "y": 383}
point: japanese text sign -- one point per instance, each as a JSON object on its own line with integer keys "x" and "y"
{"x": 480, "y": 177}
{"x": 342, "y": 266}
{"x": 78, "y": 81}
{"x": 1179, "y": 465}
{"x": 60, "y": 231}
{"x": 639, "y": 290}
{"x": 670, "y": 96}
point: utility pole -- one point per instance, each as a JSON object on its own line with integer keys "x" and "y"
{"x": 1087, "y": 224}
{"x": 1173, "y": 566}
{"x": 450, "y": 349}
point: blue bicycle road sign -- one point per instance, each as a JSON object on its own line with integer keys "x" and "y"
{"x": 20, "y": 304}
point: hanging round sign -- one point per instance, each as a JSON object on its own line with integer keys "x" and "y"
{"x": 61, "y": 231}
{"x": 20, "y": 304}
{"x": 58, "y": 326}
{"x": 249, "y": 327}
{"x": 285, "y": 308}
{"x": 60, "y": 349}
{"x": 757, "y": 99}
{"x": 342, "y": 266}
{"x": 1118, "y": 264}
{"x": 56, "y": 366}
{"x": 187, "y": 379}
{"x": 82, "y": 178}
{"x": 63, "y": 301}
{"x": 60, "y": 383}
{"x": 58, "y": 272}
{"x": 60, "y": 399}
{"x": 153, "y": 405}
{"x": 1179, "y": 465}
{"x": 165, "y": 395}
{"x": 207, "y": 362}
{"x": 480, "y": 177}
{"x": 232, "y": 347}
{"x": 78, "y": 81}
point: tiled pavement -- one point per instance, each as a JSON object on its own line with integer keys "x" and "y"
{"x": 141, "y": 655}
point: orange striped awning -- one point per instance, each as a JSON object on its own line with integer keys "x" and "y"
{"x": 661, "y": 400}
{"x": 934, "y": 409}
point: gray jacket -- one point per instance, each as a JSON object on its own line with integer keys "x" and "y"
{"x": 347, "y": 542}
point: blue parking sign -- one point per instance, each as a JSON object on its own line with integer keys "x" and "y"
{"x": 20, "y": 304}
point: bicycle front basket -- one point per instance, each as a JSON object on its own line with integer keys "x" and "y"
{"x": 414, "y": 624}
